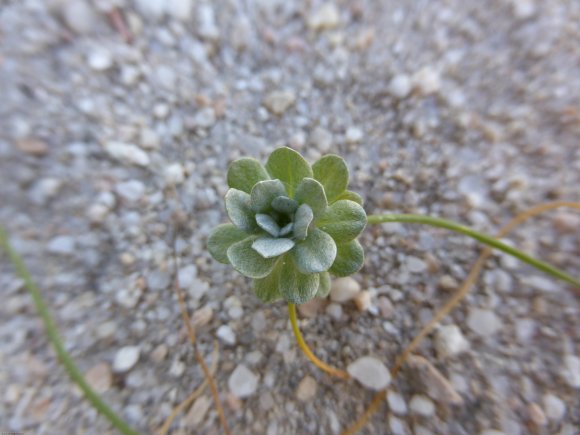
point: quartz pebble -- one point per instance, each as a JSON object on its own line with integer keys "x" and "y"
{"x": 554, "y": 407}
{"x": 396, "y": 403}
{"x": 226, "y": 334}
{"x": 100, "y": 60}
{"x": 306, "y": 389}
{"x": 279, "y": 101}
{"x": 571, "y": 372}
{"x": 449, "y": 341}
{"x": 422, "y": 405}
{"x": 127, "y": 153}
{"x": 344, "y": 289}
{"x": 400, "y": 86}
{"x": 321, "y": 139}
{"x": 483, "y": 322}
{"x": 353, "y": 135}
{"x": 370, "y": 372}
{"x": 100, "y": 377}
{"x": 242, "y": 382}
{"x": 126, "y": 358}
{"x": 325, "y": 17}
{"x": 363, "y": 300}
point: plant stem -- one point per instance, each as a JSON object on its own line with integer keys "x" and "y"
{"x": 483, "y": 238}
{"x": 54, "y": 338}
{"x": 302, "y": 344}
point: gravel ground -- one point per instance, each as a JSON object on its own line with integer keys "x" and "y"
{"x": 461, "y": 109}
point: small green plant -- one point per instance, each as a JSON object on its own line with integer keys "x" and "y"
{"x": 292, "y": 225}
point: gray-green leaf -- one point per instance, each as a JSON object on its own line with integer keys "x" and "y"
{"x": 349, "y": 258}
{"x": 289, "y": 167}
{"x": 264, "y": 192}
{"x": 311, "y": 192}
{"x": 302, "y": 219}
{"x": 331, "y": 171}
{"x": 283, "y": 204}
{"x": 343, "y": 220}
{"x": 294, "y": 286}
{"x": 287, "y": 229}
{"x": 268, "y": 224}
{"x": 221, "y": 238}
{"x": 269, "y": 247}
{"x": 266, "y": 289}
{"x": 351, "y": 196}
{"x": 324, "y": 285}
{"x": 247, "y": 261}
{"x": 316, "y": 253}
{"x": 244, "y": 173}
{"x": 239, "y": 211}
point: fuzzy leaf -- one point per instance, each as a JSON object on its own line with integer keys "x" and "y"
{"x": 289, "y": 167}
{"x": 331, "y": 171}
{"x": 268, "y": 224}
{"x": 323, "y": 285}
{"x": 350, "y": 258}
{"x": 294, "y": 286}
{"x": 287, "y": 229}
{"x": 311, "y": 192}
{"x": 264, "y": 192}
{"x": 285, "y": 205}
{"x": 316, "y": 253}
{"x": 351, "y": 196}
{"x": 247, "y": 261}
{"x": 266, "y": 289}
{"x": 221, "y": 238}
{"x": 343, "y": 220}
{"x": 244, "y": 173}
{"x": 269, "y": 247}
{"x": 302, "y": 220}
{"x": 239, "y": 211}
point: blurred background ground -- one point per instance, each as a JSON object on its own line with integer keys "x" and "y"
{"x": 463, "y": 109}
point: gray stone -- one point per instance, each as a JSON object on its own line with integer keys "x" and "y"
{"x": 370, "y": 372}
{"x": 449, "y": 341}
{"x": 132, "y": 190}
{"x": 278, "y": 102}
{"x": 127, "y": 153}
{"x": 242, "y": 382}
{"x": 226, "y": 334}
{"x": 63, "y": 245}
{"x": 422, "y": 405}
{"x": 483, "y": 322}
{"x": 126, "y": 358}
{"x": 554, "y": 407}
{"x": 400, "y": 86}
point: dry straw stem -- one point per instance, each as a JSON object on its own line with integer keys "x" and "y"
{"x": 198, "y": 392}
{"x": 453, "y": 302}
{"x": 198, "y": 356}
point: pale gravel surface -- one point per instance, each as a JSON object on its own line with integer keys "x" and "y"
{"x": 467, "y": 110}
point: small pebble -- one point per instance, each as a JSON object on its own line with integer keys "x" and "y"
{"x": 127, "y": 153}
{"x": 344, "y": 289}
{"x": 325, "y": 17}
{"x": 396, "y": 403}
{"x": 571, "y": 372}
{"x": 449, "y": 341}
{"x": 363, "y": 301}
{"x": 353, "y": 135}
{"x": 63, "y": 245}
{"x": 447, "y": 283}
{"x": 198, "y": 411}
{"x": 483, "y": 322}
{"x": 132, "y": 190}
{"x": 279, "y": 101}
{"x": 321, "y": 139}
{"x": 554, "y": 407}
{"x": 126, "y": 358}
{"x": 370, "y": 372}
{"x": 306, "y": 389}
{"x": 400, "y": 86}
{"x": 32, "y": 146}
{"x": 536, "y": 415}
{"x": 242, "y": 382}
{"x": 436, "y": 385}
{"x": 334, "y": 311}
{"x": 226, "y": 334}
{"x": 422, "y": 405}
{"x": 100, "y": 377}
{"x": 100, "y": 60}
{"x": 202, "y": 316}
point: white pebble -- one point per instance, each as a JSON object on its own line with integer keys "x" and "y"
{"x": 344, "y": 289}
{"x": 205, "y": 118}
{"x": 174, "y": 174}
{"x": 449, "y": 341}
{"x": 416, "y": 265}
{"x": 226, "y": 334}
{"x": 132, "y": 190}
{"x": 126, "y": 358}
{"x": 64, "y": 245}
{"x": 334, "y": 311}
{"x": 483, "y": 322}
{"x": 306, "y": 389}
{"x": 242, "y": 382}
{"x": 324, "y": 18}
{"x": 100, "y": 60}
{"x": 422, "y": 405}
{"x": 370, "y": 372}
{"x": 354, "y": 135}
{"x": 571, "y": 372}
{"x": 127, "y": 153}
{"x": 278, "y": 102}
{"x": 427, "y": 81}
{"x": 400, "y": 86}
{"x": 397, "y": 403}
{"x": 179, "y": 9}
{"x": 555, "y": 407}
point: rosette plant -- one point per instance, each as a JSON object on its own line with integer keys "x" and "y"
{"x": 292, "y": 225}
